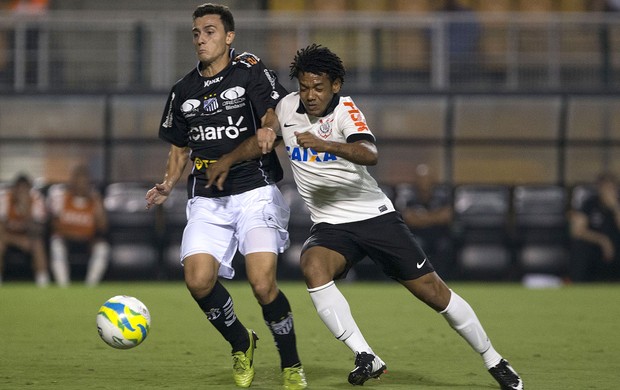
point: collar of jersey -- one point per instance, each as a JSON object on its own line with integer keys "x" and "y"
{"x": 231, "y": 54}
{"x": 330, "y": 108}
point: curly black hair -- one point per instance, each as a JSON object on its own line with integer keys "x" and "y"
{"x": 318, "y": 60}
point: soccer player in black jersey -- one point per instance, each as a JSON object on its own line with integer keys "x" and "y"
{"x": 214, "y": 109}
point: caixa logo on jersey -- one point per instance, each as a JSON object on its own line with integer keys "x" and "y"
{"x": 300, "y": 154}
{"x": 208, "y": 133}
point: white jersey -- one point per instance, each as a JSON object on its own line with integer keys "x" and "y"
{"x": 334, "y": 189}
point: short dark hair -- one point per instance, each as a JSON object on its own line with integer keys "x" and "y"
{"x": 606, "y": 177}
{"x": 318, "y": 60}
{"x": 22, "y": 178}
{"x": 216, "y": 9}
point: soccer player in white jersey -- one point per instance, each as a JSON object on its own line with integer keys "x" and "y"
{"x": 329, "y": 145}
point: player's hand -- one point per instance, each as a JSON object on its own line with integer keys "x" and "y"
{"x": 217, "y": 173}
{"x": 266, "y": 138}
{"x": 157, "y": 194}
{"x": 308, "y": 140}
{"x": 607, "y": 247}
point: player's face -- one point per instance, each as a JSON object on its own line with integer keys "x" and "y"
{"x": 316, "y": 92}
{"x": 210, "y": 40}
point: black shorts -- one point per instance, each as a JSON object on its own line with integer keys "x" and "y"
{"x": 386, "y": 240}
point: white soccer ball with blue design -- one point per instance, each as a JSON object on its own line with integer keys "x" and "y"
{"x": 123, "y": 322}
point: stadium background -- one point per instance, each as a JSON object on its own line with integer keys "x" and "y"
{"x": 516, "y": 93}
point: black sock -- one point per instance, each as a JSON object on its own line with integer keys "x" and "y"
{"x": 218, "y": 306}
{"x": 279, "y": 319}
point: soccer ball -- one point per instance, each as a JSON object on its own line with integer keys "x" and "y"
{"x": 123, "y": 322}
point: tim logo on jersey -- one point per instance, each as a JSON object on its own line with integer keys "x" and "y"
{"x": 297, "y": 153}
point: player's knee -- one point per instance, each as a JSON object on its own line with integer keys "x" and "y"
{"x": 198, "y": 285}
{"x": 315, "y": 272}
{"x": 431, "y": 290}
{"x": 265, "y": 291}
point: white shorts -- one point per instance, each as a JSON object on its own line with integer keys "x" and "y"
{"x": 220, "y": 226}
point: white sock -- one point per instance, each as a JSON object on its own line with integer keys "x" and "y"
{"x": 59, "y": 262}
{"x": 98, "y": 263}
{"x": 42, "y": 278}
{"x": 335, "y": 312}
{"x": 463, "y": 319}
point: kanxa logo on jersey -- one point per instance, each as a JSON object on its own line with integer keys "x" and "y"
{"x": 297, "y": 153}
{"x": 214, "y": 81}
{"x": 208, "y": 133}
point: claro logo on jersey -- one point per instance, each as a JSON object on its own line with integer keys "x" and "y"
{"x": 297, "y": 153}
{"x": 208, "y": 133}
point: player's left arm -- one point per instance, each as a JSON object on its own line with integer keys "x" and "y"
{"x": 350, "y": 124}
{"x": 361, "y": 152}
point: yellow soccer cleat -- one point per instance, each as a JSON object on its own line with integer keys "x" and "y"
{"x": 294, "y": 378}
{"x": 243, "y": 363}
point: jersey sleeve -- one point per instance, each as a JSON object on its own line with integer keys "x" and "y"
{"x": 173, "y": 128}
{"x": 352, "y": 122}
{"x": 264, "y": 89}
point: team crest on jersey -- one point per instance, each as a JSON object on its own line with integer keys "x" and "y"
{"x": 210, "y": 104}
{"x": 325, "y": 127}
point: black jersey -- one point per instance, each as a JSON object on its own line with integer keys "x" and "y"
{"x": 213, "y": 115}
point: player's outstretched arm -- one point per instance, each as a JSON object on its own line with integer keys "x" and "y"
{"x": 359, "y": 152}
{"x": 177, "y": 160}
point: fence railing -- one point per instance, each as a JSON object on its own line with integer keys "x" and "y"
{"x": 391, "y": 52}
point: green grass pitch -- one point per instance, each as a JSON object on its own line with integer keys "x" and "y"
{"x": 565, "y": 338}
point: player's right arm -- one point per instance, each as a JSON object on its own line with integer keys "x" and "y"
{"x": 177, "y": 160}
{"x": 579, "y": 229}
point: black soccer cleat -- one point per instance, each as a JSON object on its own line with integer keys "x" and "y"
{"x": 506, "y": 376}
{"x": 367, "y": 366}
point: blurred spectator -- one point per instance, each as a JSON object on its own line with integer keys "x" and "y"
{"x": 428, "y": 213}
{"x": 595, "y": 234}
{"x": 79, "y": 225}
{"x": 22, "y": 226}
{"x": 463, "y": 40}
